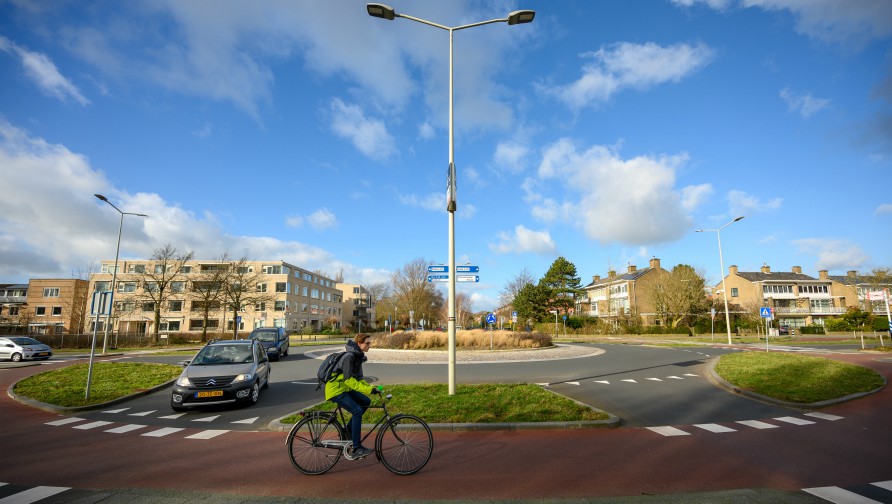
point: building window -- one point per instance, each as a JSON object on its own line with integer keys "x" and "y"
{"x": 169, "y": 325}
{"x": 151, "y": 287}
{"x": 148, "y": 307}
{"x": 280, "y": 306}
{"x": 137, "y": 268}
{"x": 102, "y": 286}
{"x": 356, "y": 290}
{"x": 127, "y": 287}
{"x": 177, "y": 286}
{"x": 57, "y": 311}
{"x": 186, "y": 270}
{"x": 159, "y": 268}
{"x": 733, "y": 291}
{"x": 281, "y": 287}
{"x": 175, "y": 305}
{"x": 13, "y": 310}
{"x": 261, "y": 306}
{"x": 51, "y": 292}
{"x": 261, "y": 287}
{"x": 40, "y": 311}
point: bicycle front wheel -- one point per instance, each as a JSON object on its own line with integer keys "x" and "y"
{"x": 404, "y": 444}
{"x": 310, "y": 446}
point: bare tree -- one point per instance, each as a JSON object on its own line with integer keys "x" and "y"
{"x": 678, "y": 295}
{"x": 241, "y": 289}
{"x": 208, "y": 291}
{"x": 515, "y": 285}
{"x": 157, "y": 280}
{"x": 414, "y": 293}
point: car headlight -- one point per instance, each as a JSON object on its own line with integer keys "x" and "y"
{"x": 183, "y": 381}
{"x": 243, "y": 377}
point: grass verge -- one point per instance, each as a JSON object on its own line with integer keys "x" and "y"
{"x": 796, "y": 378}
{"x": 488, "y": 403}
{"x": 110, "y": 380}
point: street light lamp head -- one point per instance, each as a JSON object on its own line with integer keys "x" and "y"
{"x": 521, "y": 17}
{"x": 738, "y": 219}
{"x": 103, "y": 198}
{"x": 381, "y": 11}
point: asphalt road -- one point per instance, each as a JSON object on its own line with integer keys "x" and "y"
{"x": 680, "y": 435}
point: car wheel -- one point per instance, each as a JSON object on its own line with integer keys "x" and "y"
{"x": 16, "y": 357}
{"x": 255, "y": 393}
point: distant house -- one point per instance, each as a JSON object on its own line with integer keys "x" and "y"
{"x": 622, "y": 296}
{"x": 44, "y": 306}
{"x": 854, "y": 289}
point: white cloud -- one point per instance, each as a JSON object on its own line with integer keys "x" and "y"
{"x": 694, "y": 196}
{"x": 369, "y": 136}
{"x": 434, "y": 201}
{"x": 46, "y": 186}
{"x": 43, "y": 72}
{"x": 294, "y": 221}
{"x": 426, "y": 131}
{"x": 741, "y": 203}
{"x": 510, "y": 156}
{"x": 833, "y": 254}
{"x": 805, "y": 105}
{"x": 322, "y": 219}
{"x": 828, "y": 20}
{"x": 885, "y": 208}
{"x": 630, "y": 201}
{"x": 626, "y": 65}
{"x": 524, "y": 240}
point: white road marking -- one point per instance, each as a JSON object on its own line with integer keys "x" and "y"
{"x": 162, "y": 432}
{"x": 690, "y": 374}
{"x": 247, "y": 420}
{"x": 794, "y": 420}
{"x": 92, "y": 425}
{"x": 172, "y": 417}
{"x": 824, "y": 416}
{"x": 572, "y": 383}
{"x": 208, "y": 434}
{"x": 207, "y": 419}
{"x": 32, "y": 495}
{"x": 675, "y": 377}
{"x": 668, "y": 431}
{"x": 838, "y": 495}
{"x": 126, "y": 428}
{"x": 711, "y": 427}
{"x": 629, "y": 380}
{"x": 885, "y": 485}
{"x": 116, "y": 410}
{"x": 654, "y": 379}
{"x": 757, "y": 424}
{"x": 143, "y": 413}
{"x": 605, "y": 382}
{"x": 65, "y": 421}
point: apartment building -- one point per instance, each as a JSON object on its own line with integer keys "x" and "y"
{"x": 624, "y": 295}
{"x": 797, "y": 299}
{"x": 275, "y": 294}
{"x": 44, "y": 306}
{"x": 854, "y": 289}
{"x": 358, "y": 309}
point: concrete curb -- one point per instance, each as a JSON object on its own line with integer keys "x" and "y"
{"x": 717, "y": 380}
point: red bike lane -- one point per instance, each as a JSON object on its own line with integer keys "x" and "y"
{"x": 503, "y": 464}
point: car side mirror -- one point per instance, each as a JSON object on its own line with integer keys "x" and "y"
{"x": 185, "y": 363}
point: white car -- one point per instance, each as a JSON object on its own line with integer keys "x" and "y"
{"x": 17, "y": 348}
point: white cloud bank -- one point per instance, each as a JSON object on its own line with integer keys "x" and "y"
{"x": 43, "y": 72}
{"x": 804, "y": 104}
{"x": 833, "y": 254}
{"x": 523, "y": 240}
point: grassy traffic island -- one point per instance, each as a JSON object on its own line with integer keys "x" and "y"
{"x": 783, "y": 376}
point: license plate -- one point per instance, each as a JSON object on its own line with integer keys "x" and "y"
{"x": 212, "y": 393}
{"x": 41, "y": 354}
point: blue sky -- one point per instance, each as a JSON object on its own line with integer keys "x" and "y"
{"x": 605, "y": 132}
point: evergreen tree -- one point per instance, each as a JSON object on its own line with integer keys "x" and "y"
{"x": 563, "y": 283}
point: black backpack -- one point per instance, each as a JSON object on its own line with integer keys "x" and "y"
{"x": 328, "y": 369}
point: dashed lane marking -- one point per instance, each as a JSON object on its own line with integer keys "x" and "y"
{"x": 33, "y": 495}
{"x": 755, "y": 424}
{"x": 630, "y": 380}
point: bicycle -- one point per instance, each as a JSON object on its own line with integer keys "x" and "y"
{"x": 404, "y": 443}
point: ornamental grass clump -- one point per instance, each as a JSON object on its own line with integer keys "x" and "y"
{"x": 467, "y": 340}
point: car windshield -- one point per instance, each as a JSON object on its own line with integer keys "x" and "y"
{"x": 265, "y": 335}
{"x": 223, "y": 354}
{"x": 21, "y": 340}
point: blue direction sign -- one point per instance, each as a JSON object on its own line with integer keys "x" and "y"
{"x": 491, "y": 319}
{"x": 438, "y": 278}
{"x": 467, "y": 269}
{"x": 467, "y": 278}
{"x": 765, "y": 312}
{"x": 438, "y": 269}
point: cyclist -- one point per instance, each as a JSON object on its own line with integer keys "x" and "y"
{"x": 350, "y": 391}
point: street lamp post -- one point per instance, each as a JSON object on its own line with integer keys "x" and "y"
{"x": 718, "y": 233}
{"x": 516, "y": 17}
{"x": 115, "y": 272}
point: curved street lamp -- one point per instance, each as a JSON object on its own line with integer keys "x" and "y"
{"x": 516, "y": 17}
{"x": 718, "y": 233}
{"x": 115, "y": 273}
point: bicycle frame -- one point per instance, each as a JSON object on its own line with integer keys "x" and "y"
{"x": 337, "y": 415}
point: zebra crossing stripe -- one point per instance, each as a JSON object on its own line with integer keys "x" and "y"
{"x": 246, "y": 421}
{"x": 715, "y": 428}
{"x": 794, "y": 420}
{"x": 126, "y": 428}
{"x": 208, "y": 434}
{"x": 823, "y": 416}
{"x": 92, "y": 425}
{"x": 116, "y": 410}
{"x": 143, "y": 413}
{"x": 605, "y": 382}
{"x": 65, "y": 421}
{"x": 838, "y": 495}
{"x": 32, "y": 495}
{"x": 654, "y": 379}
{"x": 207, "y": 419}
{"x": 757, "y": 424}
{"x": 162, "y": 432}
{"x": 885, "y": 485}
{"x": 668, "y": 431}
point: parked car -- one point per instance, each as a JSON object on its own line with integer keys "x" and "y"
{"x": 18, "y": 348}
{"x": 274, "y": 340}
{"x": 783, "y": 330}
{"x": 223, "y": 372}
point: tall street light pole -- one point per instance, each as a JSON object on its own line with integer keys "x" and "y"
{"x": 516, "y": 17}
{"x": 718, "y": 233}
{"x": 115, "y": 272}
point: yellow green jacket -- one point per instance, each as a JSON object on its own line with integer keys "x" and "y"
{"x": 350, "y": 376}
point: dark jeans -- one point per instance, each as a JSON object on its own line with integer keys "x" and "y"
{"x": 355, "y": 403}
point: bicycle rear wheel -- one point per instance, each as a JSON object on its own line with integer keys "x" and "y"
{"x": 404, "y": 444}
{"x": 307, "y": 444}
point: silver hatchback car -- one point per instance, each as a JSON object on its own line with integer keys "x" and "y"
{"x": 18, "y": 348}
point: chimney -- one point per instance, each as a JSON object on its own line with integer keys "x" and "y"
{"x": 611, "y": 274}
{"x": 852, "y": 273}
{"x": 797, "y": 269}
{"x": 596, "y": 278}
{"x": 633, "y": 268}
{"x": 732, "y": 270}
{"x": 655, "y": 263}
{"x": 766, "y": 268}
{"x": 823, "y": 275}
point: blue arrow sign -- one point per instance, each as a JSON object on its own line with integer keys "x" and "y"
{"x": 437, "y": 278}
{"x": 765, "y": 312}
{"x": 490, "y": 319}
{"x": 467, "y": 278}
{"x": 467, "y": 269}
{"x": 438, "y": 269}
